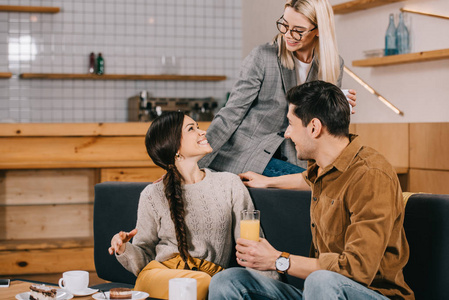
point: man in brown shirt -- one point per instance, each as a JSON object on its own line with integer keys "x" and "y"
{"x": 359, "y": 246}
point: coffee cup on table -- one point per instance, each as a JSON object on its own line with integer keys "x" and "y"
{"x": 74, "y": 281}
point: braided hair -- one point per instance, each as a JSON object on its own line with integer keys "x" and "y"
{"x": 163, "y": 141}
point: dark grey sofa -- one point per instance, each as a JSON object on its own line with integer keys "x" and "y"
{"x": 285, "y": 220}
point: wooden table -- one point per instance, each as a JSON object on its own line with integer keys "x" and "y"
{"x": 17, "y": 287}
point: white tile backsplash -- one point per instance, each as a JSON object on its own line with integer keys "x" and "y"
{"x": 132, "y": 35}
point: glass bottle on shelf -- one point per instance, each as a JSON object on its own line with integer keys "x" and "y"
{"x": 100, "y": 64}
{"x": 390, "y": 38}
{"x": 92, "y": 63}
{"x": 402, "y": 36}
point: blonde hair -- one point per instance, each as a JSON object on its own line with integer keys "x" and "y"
{"x": 320, "y": 14}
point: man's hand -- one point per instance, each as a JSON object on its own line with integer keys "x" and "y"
{"x": 119, "y": 240}
{"x": 254, "y": 180}
{"x": 256, "y": 255}
{"x": 291, "y": 181}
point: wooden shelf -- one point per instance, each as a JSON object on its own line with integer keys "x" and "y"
{"x": 356, "y": 5}
{"x": 402, "y": 58}
{"x": 30, "y": 9}
{"x": 122, "y": 77}
{"x": 5, "y": 75}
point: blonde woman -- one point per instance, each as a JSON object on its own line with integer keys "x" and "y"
{"x": 248, "y": 133}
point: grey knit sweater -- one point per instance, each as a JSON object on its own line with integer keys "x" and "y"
{"x": 212, "y": 217}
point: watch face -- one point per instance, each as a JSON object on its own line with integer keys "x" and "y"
{"x": 282, "y": 264}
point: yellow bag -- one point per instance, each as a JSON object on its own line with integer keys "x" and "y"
{"x": 154, "y": 278}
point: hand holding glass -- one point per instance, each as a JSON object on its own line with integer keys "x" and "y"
{"x": 250, "y": 225}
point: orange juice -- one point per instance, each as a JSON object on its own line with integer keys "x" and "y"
{"x": 249, "y": 229}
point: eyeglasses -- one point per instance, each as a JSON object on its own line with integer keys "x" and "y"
{"x": 296, "y": 34}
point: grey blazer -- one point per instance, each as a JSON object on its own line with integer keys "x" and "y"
{"x": 246, "y": 133}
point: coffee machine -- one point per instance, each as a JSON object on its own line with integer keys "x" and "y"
{"x": 142, "y": 108}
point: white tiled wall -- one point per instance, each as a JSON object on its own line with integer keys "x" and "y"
{"x": 132, "y": 35}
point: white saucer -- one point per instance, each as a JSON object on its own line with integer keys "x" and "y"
{"x": 60, "y": 295}
{"x": 136, "y": 295}
{"x": 85, "y": 292}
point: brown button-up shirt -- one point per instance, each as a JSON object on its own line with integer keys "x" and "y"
{"x": 357, "y": 216}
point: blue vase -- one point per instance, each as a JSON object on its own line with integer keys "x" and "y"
{"x": 390, "y": 38}
{"x": 402, "y": 37}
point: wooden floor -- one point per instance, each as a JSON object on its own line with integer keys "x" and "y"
{"x": 54, "y": 278}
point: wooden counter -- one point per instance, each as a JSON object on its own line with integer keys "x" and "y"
{"x": 74, "y": 145}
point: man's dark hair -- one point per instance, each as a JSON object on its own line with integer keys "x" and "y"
{"x": 324, "y": 101}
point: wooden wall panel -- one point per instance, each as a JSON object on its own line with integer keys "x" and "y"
{"x": 429, "y": 146}
{"x": 131, "y": 174}
{"x": 72, "y": 152}
{"x": 429, "y": 181}
{"x": 391, "y": 140}
{"x": 46, "y": 261}
{"x": 43, "y": 244}
{"x": 46, "y": 221}
{"x": 20, "y": 187}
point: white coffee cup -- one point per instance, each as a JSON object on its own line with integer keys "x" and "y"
{"x": 182, "y": 289}
{"x": 74, "y": 281}
{"x": 346, "y": 93}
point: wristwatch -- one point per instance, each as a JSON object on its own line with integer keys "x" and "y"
{"x": 283, "y": 263}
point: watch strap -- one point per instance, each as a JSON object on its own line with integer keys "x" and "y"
{"x": 285, "y": 255}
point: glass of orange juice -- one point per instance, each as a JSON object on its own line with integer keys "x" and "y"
{"x": 250, "y": 225}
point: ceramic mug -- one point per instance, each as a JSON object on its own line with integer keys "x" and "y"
{"x": 74, "y": 281}
{"x": 346, "y": 93}
{"x": 182, "y": 289}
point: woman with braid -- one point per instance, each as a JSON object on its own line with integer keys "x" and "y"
{"x": 186, "y": 223}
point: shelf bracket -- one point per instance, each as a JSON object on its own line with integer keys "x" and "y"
{"x": 373, "y": 91}
{"x": 423, "y": 13}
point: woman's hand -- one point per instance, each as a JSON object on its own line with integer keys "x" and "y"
{"x": 119, "y": 240}
{"x": 353, "y": 98}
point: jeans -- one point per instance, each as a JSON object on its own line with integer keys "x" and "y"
{"x": 277, "y": 167}
{"x": 239, "y": 283}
